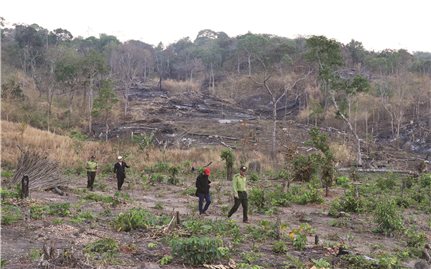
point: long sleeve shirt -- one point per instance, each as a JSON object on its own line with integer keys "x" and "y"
{"x": 238, "y": 184}
{"x": 91, "y": 166}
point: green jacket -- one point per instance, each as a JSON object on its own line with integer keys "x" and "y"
{"x": 238, "y": 184}
{"x": 91, "y": 166}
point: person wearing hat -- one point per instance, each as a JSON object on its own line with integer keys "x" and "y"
{"x": 240, "y": 194}
{"x": 203, "y": 190}
{"x": 120, "y": 171}
{"x": 91, "y": 172}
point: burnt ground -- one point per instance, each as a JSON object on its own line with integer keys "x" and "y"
{"x": 187, "y": 119}
{"x": 23, "y": 241}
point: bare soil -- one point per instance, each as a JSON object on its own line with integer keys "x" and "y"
{"x": 21, "y": 239}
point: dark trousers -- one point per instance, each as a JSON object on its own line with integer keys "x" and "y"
{"x": 241, "y": 200}
{"x": 207, "y": 198}
{"x": 90, "y": 179}
{"x": 120, "y": 181}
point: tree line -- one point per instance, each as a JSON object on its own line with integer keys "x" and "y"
{"x": 86, "y": 77}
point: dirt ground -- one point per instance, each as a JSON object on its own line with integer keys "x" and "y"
{"x": 27, "y": 236}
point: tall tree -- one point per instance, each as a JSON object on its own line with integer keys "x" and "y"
{"x": 104, "y": 104}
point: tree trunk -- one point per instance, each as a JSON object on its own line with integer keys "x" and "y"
{"x": 229, "y": 172}
{"x": 90, "y": 107}
{"x": 358, "y": 140}
{"x": 274, "y": 128}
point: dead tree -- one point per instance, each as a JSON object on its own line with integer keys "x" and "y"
{"x": 42, "y": 173}
{"x": 24, "y": 187}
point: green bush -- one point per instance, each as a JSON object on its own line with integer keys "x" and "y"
{"x": 197, "y": 250}
{"x": 10, "y": 214}
{"x": 137, "y": 218}
{"x": 388, "y": 217}
{"x": 425, "y": 180}
{"x": 304, "y": 167}
{"x": 279, "y": 247}
{"x": 257, "y": 199}
{"x": 9, "y": 193}
{"x": 254, "y": 177}
{"x": 343, "y": 181}
{"x": 105, "y": 248}
{"x": 59, "y": 209}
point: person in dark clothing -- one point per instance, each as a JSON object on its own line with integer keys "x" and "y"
{"x": 120, "y": 171}
{"x": 91, "y": 172}
{"x": 203, "y": 190}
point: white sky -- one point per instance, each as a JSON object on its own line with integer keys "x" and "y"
{"x": 378, "y": 24}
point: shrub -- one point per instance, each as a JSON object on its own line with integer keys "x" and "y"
{"x": 60, "y": 209}
{"x": 425, "y": 180}
{"x": 279, "y": 247}
{"x": 105, "y": 248}
{"x": 257, "y": 199}
{"x": 167, "y": 259}
{"x": 137, "y": 218}
{"x": 254, "y": 177}
{"x": 342, "y": 181}
{"x": 10, "y": 214}
{"x": 304, "y": 167}
{"x": 388, "y": 217}
{"x": 197, "y": 250}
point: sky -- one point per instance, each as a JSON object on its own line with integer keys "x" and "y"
{"x": 378, "y": 24}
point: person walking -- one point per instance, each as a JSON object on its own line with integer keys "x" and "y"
{"x": 203, "y": 190}
{"x": 120, "y": 171}
{"x": 240, "y": 194}
{"x": 91, "y": 172}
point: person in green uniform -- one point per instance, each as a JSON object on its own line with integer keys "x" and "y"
{"x": 239, "y": 186}
{"x": 91, "y": 172}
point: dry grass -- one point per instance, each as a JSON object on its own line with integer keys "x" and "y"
{"x": 73, "y": 153}
{"x": 174, "y": 86}
{"x": 342, "y": 153}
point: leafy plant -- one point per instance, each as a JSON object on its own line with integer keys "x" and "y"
{"x": 388, "y": 217}
{"x": 137, "y": 218}
{"x": 279, "y": 247}
{"x": 105, "y": 248}
{"x": 167, "y": 259}
{"x": 10, "y": 214}
{"x": 321, "y": 263}
{"x": 197, "y": 250}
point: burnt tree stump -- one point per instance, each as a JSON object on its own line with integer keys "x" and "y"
{"x": 24, "y": 187}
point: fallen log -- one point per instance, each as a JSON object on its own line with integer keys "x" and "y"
{"x": 377, "y": 170}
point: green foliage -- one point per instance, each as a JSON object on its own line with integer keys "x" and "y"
{"x": 167, "y": 259}
{"x": 78, "y": 135}
{"x": 113, "y": 200}
{"x": 59, "y": 209}
{"x": 85, "y": 216}
{"x": 294, "y": 262}
{"x": 105, "y": 101}
{"x": 144, "y": 141}
{"x": 157, "y": 178}
{"x": 14, "y": 194}
{"x": 35, "y": 254}
{"x": 197, "y": 250}
{"x": 228, "y": 156}
{"x": 6, "y": 174}
{"x": 250, "y": 257}
{"x": 321, "y": 263}
{"x": 254, "y": 177}
{"x": 414, "y": 238}
{"x": 257, "y": 199}
{"x": 304, "y": 167}
{"x": 358, "y": 262}
{"x": 347, "y": 203}
{"x": 386, "y": 183}
{"x": 425, "y": 180}
{"x": 151, "y": 245}
{"x": 10, "y": 214}
{"x": 105, "y": 248}
{"x": 137, "y": 218}
{"x": 343, "y": 181}
{"x": 388, "y": 217}
{"x": 221, "y": 228}
{"x": 173, "y": 172}
{"x": 279, "y": 247}
{"x": 309, "y": 194}
{"x": 3, "y": 262}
